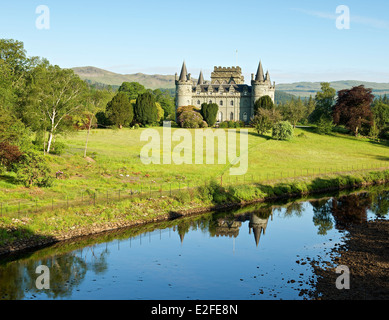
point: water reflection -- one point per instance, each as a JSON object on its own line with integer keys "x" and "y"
{"x": 70, "y": 263}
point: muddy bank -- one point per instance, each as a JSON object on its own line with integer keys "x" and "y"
{"x": 366, "y": 254}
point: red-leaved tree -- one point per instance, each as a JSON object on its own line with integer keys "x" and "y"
{"x": 353, "y": 108}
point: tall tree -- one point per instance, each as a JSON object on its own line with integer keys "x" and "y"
{"x": 294, "y": 111}
{"x": 120, "y": 110}
{"x": 264, "y": 102}
{"x": 209, "y": 113}
{"x": 325, "y": 100}
{"x": 54, "y": 94}
{"x": 353, "y": 108}
{"x": 132, "y": 89}
{"x": 145, "y": 110}
{"x": 381, "y": 116}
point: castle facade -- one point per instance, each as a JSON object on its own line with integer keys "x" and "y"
{"x": 227, "y": 89}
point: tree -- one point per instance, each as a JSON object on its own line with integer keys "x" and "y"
{"x": 381, "y": 116}
{"x": 294, "y": 111}
{"x": 119, "y": 110}
{"x": 324, "y": 100}
{"x": 145, "y": 110}
{"x": 282, "y": 130}
{"x": 209, "y": 113}
{"x": 265, "y": 119}
{"x": 264, "y": 102}
{"x": 132, "y": 89}
{"x": 53, "y": 94}
{"x": 353, "y": 108}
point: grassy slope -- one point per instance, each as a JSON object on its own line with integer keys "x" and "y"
{"x": 117, "y": 152}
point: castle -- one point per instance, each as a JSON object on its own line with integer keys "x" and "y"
{"x": 227, "y": 89}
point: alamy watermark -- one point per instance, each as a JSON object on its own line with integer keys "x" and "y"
{"x": 190, "y": 149}
{"x": 343, "y": 281}
{"x": 343, "y": 20}
{"x": 42, "y": 22}
{"x": 43, "y": 281}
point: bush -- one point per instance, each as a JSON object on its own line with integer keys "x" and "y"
{"x": 33, "y": 170}
{"x": 282, "y": 130}
{"x": 324, "y": 125}
{"x": 183, "y": 197}
{"x": 58, "y": 148}
{"x": 190, "y": 119}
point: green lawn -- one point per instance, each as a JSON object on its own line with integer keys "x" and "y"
{"x": 118, "y": 166}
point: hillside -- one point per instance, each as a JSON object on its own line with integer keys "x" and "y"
{"x": 110, "y": 78}
{"x": 302, "y": 89}
{"x": 305, "y": 89}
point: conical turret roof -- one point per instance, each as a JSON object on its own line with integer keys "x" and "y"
{"x": 260, "y": 75}
{"x": 184, "y": 73}
{"x": 201, "y": 79}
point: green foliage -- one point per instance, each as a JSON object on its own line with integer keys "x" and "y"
{"x": 120, "y": 111}
{"x": 132, "y": 89}
{"x": 209, "y": 113}
{"x": 325, "y": 100}
{"x": 282, "y": 130}
{"x": 145, "y": 110}
{"x": 264, "y": 102}
{"x": 183, "y": 197}
{"x": 325, "y": 125}
{"x": 265, "y": 119}
{"x": 381, "y": 117}
{"x": 33, "y": 170}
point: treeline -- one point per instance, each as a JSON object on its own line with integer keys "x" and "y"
{"x": 135, "y": 106}
{"x": 356, "y": 111}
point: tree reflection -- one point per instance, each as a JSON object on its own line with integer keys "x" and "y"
{"x": 351, "y": 209}
{"x": 322, "y": 215}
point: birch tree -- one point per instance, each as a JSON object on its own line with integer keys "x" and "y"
{"x": 57, "y": 93}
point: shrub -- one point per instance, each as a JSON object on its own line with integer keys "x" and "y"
{"x": 183, "y": 197}
{"x": 324, "y": 125}
{"x": 32, "y": 170}
{"x": 58, "y": 148}
{"x": 190, "y": 119}
{"x": 282, "y": 130}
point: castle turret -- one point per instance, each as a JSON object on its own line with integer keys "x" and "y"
{"x": 183, "y": 88}
{"x": 261, "y": 85}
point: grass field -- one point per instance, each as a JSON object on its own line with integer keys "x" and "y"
{"x": 117, "y": 165}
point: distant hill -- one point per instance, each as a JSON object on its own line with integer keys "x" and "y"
{"x": 96, "y": 75}
{"x": 305, "y": 89}
{"x": 302, "y": 89}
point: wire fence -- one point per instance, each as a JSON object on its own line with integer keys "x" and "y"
{"x": 22, "y": 208}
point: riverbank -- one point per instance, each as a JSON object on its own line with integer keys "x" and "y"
{"x": 366, "y": 254}
{"x": 51, "y": 227}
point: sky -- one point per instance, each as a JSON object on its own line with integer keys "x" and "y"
{"x": 295, "y": 40}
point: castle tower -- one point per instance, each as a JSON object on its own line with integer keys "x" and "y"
{"x": 183, "y": 88}
{"x": 261, "y": 85}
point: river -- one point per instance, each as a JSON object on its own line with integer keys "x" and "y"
{"x": 259, "y": 252}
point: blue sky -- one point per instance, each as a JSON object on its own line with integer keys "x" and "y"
{"x": 296, "y": 40}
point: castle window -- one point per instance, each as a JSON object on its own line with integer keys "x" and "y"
{"x": 232, "y": 116}
{"x": 232, "y": 103}
{"x": 198, "y": 102}
{"x": 210, "y": 101}
{"x": 221, "y": 102}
